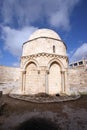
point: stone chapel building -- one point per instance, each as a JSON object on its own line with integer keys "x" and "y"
{"x": 44, "y": 64}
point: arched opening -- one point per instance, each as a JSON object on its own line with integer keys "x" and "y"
{"x": 31, "y": 83}
{"x": 54, "y": 78}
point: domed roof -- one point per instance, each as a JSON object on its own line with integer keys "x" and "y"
{"x": 44, "y": 33}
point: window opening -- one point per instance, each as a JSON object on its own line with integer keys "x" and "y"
{"x": 53, "y": 49}
{"x": 81, "y": 62}
{"x": 75, "y": 64}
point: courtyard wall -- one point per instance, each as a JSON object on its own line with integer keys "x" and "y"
{"x": 9, "y": 79}
{"x": 77, "y": 78}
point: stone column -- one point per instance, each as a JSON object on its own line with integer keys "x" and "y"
{"x": 22, "y": 81}
{"x": 39, "y": 85}
{"x": 23, "y": 73}
{"x": 43, "y": 79}
{"x": 46, "y": 81}
{"x": 63, "y": 81}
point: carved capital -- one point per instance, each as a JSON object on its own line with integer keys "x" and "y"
{"x": 24, "y": 72}
{"x": 38, "y": 71}
{"x": 62, "y": 72}
{"x": 47, "y": 71}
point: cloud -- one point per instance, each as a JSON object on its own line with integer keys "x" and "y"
{"x": 80, "y": 53}
{"x": 61, "y": 20}
{"x": 13, "y": 39}
{"x": 26, "y": 12}
{"x": 61, "y": 17}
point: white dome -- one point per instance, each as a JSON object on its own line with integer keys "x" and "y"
{"x": 43, "y": 41}
{"x": 44, "y": 33}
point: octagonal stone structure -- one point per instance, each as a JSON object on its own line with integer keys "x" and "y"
{"x": 44, "y": 64}
{"x": 44, "y": 41}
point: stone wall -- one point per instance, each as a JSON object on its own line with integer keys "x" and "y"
{"x": 9, "y": 78}
{"x": 77, "y": 78}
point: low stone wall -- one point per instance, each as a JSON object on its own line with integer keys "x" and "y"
{"x": 48, "y": 99}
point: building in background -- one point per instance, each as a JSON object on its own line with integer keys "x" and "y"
{"x": 79, "y": 63}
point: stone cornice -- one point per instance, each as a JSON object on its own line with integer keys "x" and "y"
{"x": 44, "y": 54}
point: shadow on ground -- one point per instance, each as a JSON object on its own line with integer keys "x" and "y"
{"x": 21, "y": 115}
{"x": 38, "y": 124}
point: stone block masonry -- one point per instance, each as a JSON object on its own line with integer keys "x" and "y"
{"x": 9, "y": 78}
{"x": 77, "y": 78}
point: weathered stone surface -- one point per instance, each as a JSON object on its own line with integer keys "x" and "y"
{"x": 9, "y": 78}
{"x": 45, "y": 99}
{"x": 46, "y": 33}
{"x": 77, "y": 78}
{"x": 8, "y": 74}
{"x": 44, "y": 63}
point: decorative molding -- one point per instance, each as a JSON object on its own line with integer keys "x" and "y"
{"x": 43, "y": 54}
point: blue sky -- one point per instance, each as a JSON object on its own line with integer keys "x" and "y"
{"x": 20, "y": 18}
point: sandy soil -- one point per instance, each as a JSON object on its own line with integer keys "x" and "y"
{"x": 20, "y": 115}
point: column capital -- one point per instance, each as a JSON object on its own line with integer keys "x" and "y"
{"x": 23, "y": 71}
{"x": 38, "y": 71}
{"x": 47, "y": 71}
{"x": 62, "y": 72}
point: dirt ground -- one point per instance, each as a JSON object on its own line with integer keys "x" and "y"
{"x": 21, "y": 115}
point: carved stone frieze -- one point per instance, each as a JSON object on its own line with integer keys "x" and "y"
{"x": 44, "y": 54}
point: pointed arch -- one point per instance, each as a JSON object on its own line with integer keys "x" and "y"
{"x": 54, "y": 60}
{"x": 32, "y": 80}
{"x": 55, "y": 67}
{"x": 29, "y": 62}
